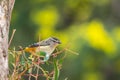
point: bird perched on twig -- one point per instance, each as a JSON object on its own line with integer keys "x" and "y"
{"x": 47, "y": 46}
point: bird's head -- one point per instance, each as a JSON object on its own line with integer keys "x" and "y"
{"x": 53, "y": 41}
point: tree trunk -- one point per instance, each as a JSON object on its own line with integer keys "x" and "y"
{"x": 6, "y": 7}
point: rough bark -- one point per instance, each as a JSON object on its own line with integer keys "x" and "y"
{"x": 6, "y": 7}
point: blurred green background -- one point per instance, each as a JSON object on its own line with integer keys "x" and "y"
{"x": 90, "y": 27}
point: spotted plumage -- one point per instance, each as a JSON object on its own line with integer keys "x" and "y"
{"x": 46, "y": 42}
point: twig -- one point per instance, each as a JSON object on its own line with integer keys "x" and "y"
{"x": 22, "y": 73}
{"x": 72, "y": 51}
{"x": 14, "y": 30}
{"x": 37, "y": 74}
{"x": 34, "y": 75}
{"x": 39, "y": 39}
{"x": 44, "y": 72}
{"x": 59, "y": 52}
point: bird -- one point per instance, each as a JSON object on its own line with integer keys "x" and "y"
{"x": 46, "y": 46}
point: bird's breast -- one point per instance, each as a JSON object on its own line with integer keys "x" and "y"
{"x": 46, "y": 49}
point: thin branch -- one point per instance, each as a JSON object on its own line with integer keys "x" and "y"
{"x": 22, "y": 73}
{"x": 72, "y": 51}
{"x": 14, "y": 30}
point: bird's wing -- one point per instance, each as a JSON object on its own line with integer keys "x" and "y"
{"x": 42, "y": 43}
{"x": 34, "y": 45}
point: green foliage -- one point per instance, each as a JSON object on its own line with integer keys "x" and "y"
{"x": 27, "y": 66}
{"x": 56, "y": 71}
{"x": 41, "y": 53}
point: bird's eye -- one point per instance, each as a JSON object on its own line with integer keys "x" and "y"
{"x": 54, "y": 41}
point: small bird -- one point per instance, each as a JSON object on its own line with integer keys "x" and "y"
{"x": 46, "y": 46}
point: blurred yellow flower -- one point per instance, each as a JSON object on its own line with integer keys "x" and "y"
{"x": 47, "y": 17}
{"x": 92, "y": 76}
{"x": 99, "y": 38}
